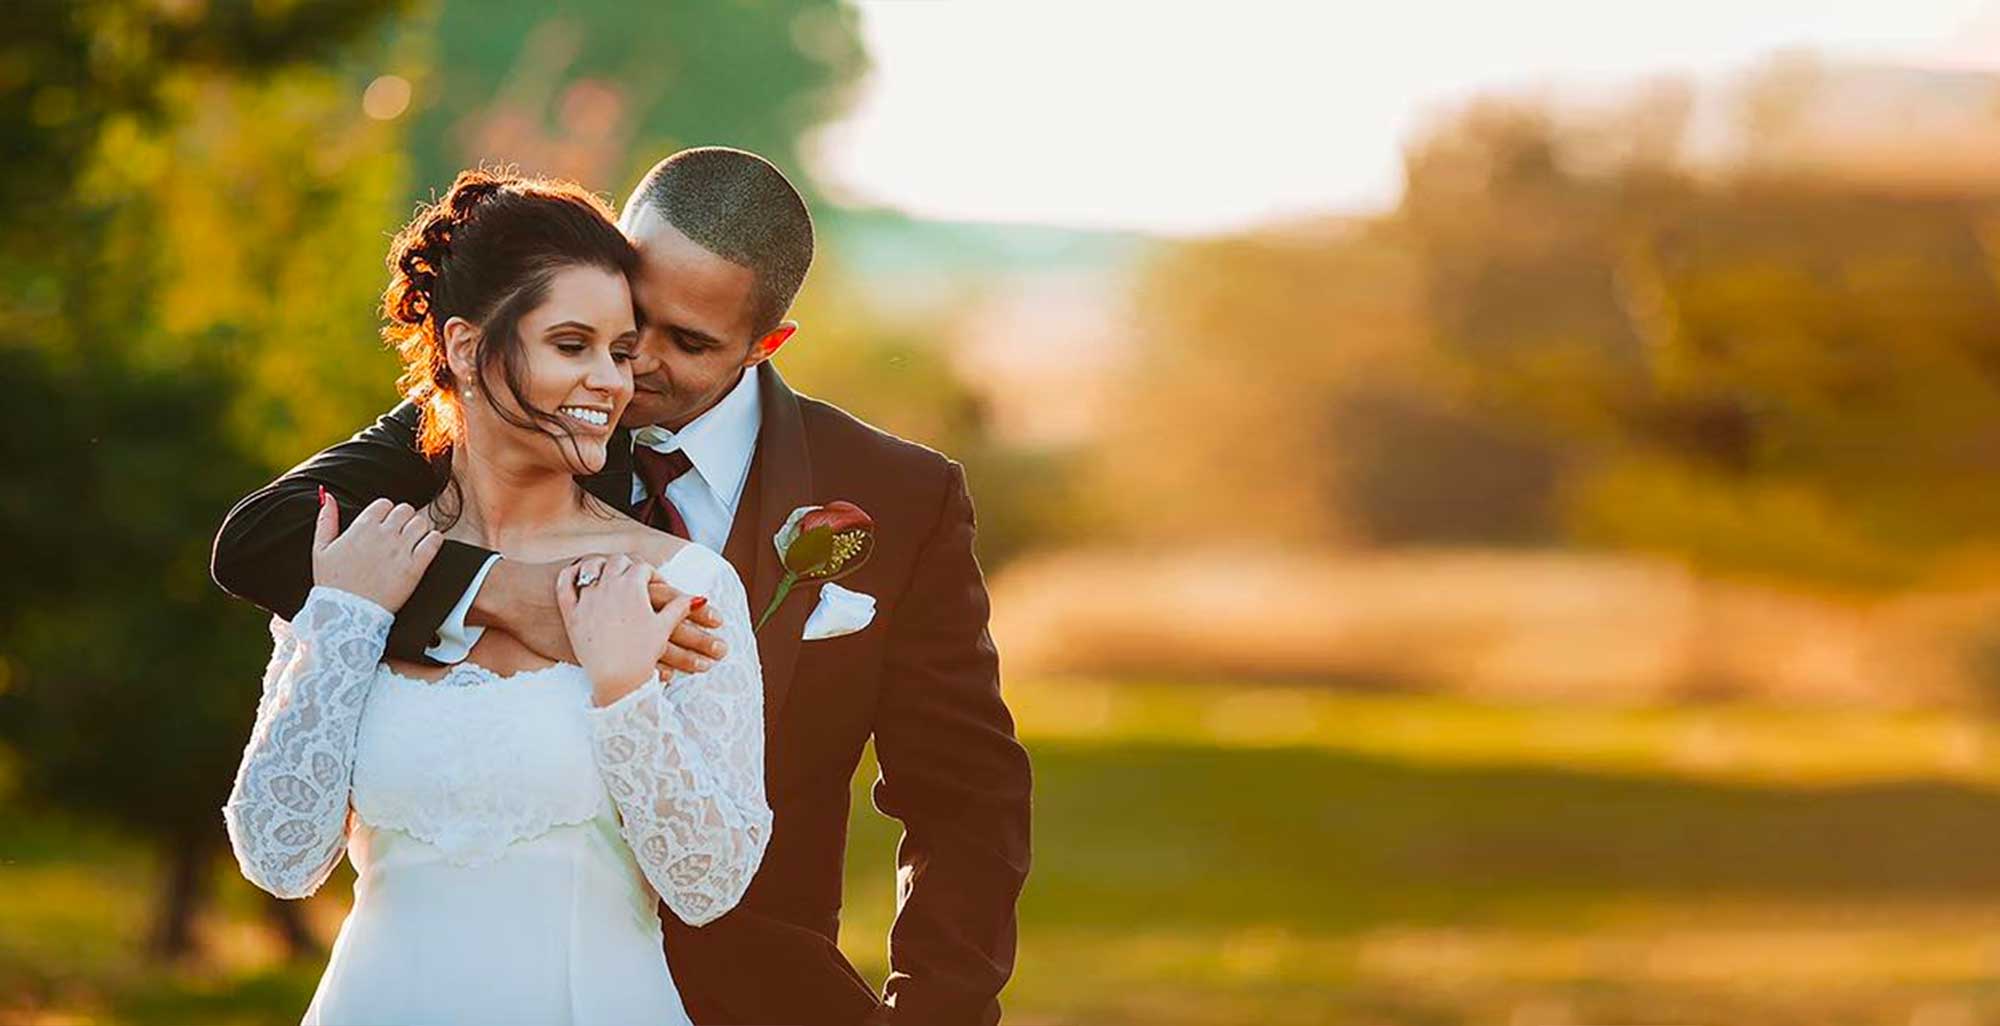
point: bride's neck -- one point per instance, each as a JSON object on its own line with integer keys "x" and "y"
{"x": 508, "y": 495}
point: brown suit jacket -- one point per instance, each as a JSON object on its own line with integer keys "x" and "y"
{"x": 922, "y": 680}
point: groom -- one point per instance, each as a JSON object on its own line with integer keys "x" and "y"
{"x": 715, "y": 447}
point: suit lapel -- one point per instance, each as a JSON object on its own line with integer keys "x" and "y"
{"x": 780, "y": 481}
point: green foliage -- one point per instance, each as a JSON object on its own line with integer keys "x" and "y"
{"x": 129, "y": 667}
{"x": 69, "y": 66}
{"x": 187, "y": 191}
{"x": 259, "y": 221}
{"x": 597, "y": 90}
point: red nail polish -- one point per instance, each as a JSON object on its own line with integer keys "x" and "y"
{"x": 699, "y": 601}
{"x": 322, "y": 495}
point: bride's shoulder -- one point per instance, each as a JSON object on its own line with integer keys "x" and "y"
{"x": 686, "y": 564}
{"x": 655, "y": 547}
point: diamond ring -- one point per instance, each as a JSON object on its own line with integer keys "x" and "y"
{"x": 586, "y": 578}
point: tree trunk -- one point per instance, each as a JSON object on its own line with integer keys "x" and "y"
{"x": 185, "y": 889}
{"x": 289, "y": 918}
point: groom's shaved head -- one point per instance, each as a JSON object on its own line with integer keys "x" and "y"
{"x": 738, "y": 206}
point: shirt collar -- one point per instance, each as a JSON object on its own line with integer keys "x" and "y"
{"x": 720, "y": 442}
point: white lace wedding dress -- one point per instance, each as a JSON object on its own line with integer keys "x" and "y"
{"x": 508, "y": 835}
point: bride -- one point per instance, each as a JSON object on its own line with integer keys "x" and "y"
{"x": 510, "y": 821}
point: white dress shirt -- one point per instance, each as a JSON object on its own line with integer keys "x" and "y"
{"x": 719, "y": 443}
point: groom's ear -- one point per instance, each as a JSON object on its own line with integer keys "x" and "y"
{"x": 768, "y": 346}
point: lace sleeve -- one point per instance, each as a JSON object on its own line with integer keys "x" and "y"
{"x": 287, "y": 814}
{"x": 686, "y": 766}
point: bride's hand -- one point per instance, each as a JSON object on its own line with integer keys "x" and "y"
{"x": 617, "y": 635}
{"x": 380, "y": 557}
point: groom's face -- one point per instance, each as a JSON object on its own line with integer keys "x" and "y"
{"x": 695, "y": 331}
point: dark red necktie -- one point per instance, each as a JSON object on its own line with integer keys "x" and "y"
{"x": 656, "y": 471}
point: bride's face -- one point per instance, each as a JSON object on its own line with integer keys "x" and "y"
{"x": 575, "y": 363}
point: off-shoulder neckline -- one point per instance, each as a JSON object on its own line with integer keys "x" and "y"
{"x": 487, "y": 677}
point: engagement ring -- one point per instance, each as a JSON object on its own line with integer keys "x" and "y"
{"x": 586, "y": 578}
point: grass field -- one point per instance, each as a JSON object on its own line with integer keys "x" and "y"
{"x": 1210, "y": 853}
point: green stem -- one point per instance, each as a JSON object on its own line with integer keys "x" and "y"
{"x": 784, "y": 589}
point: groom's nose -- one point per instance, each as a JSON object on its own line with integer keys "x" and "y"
{"x": 646, "y": 355}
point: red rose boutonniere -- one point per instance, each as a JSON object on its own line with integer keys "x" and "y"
{"x": 819, "y": 544}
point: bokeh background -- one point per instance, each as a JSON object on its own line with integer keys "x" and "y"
{"x": 1493, "y": 510}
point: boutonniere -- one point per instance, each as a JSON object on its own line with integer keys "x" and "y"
{"x": 820, "y": 544}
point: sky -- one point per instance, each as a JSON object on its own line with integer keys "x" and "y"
{"x": 1202, "y": 117}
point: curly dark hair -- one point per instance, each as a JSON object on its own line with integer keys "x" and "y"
{"x": 486, "y": 252}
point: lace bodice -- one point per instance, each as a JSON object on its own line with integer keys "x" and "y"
{"x": 475, "y": 762}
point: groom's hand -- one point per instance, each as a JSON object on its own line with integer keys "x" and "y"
{"x": 693, "y": 647}
{"x": 520, "y": 599}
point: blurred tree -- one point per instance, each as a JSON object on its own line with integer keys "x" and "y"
{"x": 597, "y": 90}
{"x": 1566, "y": 330}
{"x": 1285, "y": 393}
{"x": 1763, "y": 372}
{"x": 186, "y": 195}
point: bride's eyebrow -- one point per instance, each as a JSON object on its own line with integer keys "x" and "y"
{"x": 570, "y": 326}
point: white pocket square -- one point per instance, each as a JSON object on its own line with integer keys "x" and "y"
{"x": 839, "y": 612}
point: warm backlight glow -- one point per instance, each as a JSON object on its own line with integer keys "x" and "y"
{"x": 1188, "y": 118}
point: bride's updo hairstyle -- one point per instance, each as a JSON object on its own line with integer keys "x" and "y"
{"x": 485, "y": 251}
